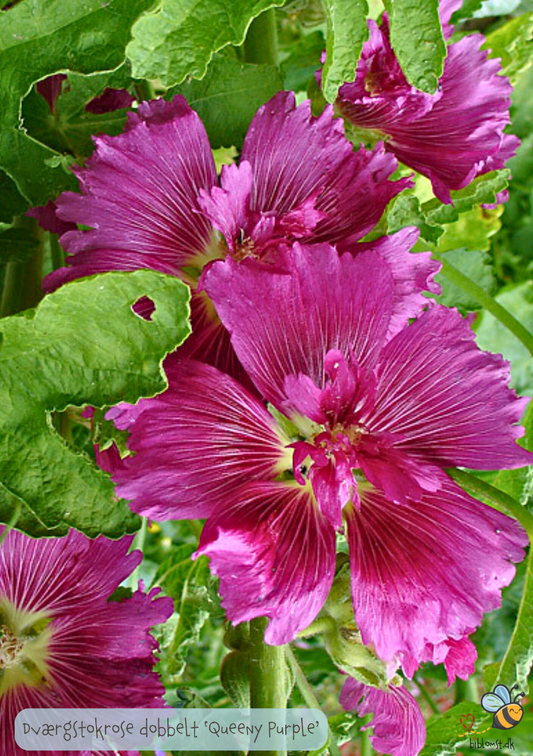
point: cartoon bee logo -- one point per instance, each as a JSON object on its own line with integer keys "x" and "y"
{"x": 507, "y": 713}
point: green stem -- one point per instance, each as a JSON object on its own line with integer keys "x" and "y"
{"x": 143, "y": 90}
{"x": 22, "y": 285}
{"x": 308, "y": 694}
{"x": 489, "y": 303}
{"x": 268, "y": 671}
{"x": 465, "y": 690}
{"x": 261, "y": 43}
{"x": 366, "y": 745}
{"x": 425, "y": 695}
{"x": 500, "y": 499}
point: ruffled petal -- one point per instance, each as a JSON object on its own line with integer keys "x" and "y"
{"x": 424, "y": 573}
{"x": 275, "y": 555}
{"x": 305, "y": 164}
{"x": 412, "y": 273}
{"x": 195, "y": 443}
{"x": 284, "y": 323}
{"x": 139, "y": 196}
{"x": 398, "y": 726}
{"x": 444, "y": 400}
{"x": 54, "y": 577}
{"x": 448, "y": 137}
{"x": 460, "y": 137}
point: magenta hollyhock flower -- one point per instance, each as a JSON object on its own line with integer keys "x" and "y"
{"x": 367, "y": 410}
{"x": 398, "y": 725}
{"x": 151, "y": 198}
{"x": 63, "y": 643}
{"x": 451, "y": 136}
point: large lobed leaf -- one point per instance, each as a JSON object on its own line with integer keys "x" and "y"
{"x": 347, "y": 31}
{"x": 178, "y": 38}
{"x": 417, "y": 40}
{"x": 83, "y": 345}
{"x": 39, "y": 38}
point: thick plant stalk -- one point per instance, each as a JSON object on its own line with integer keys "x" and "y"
{"x": 268, "y": 672}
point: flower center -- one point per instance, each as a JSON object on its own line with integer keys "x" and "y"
{"x": 24, "y": 647}
{"x": 10, "y": 648}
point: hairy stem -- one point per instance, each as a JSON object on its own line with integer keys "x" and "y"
{"x": 261, "y": 43}
{"x": 500, "y": 499}
{"x": 268, "y": 671}
{"x": 489, "y": 303}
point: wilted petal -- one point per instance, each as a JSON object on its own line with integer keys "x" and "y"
{"x": 398, "y": 725}
{"x": 284, "y": 323}
{"x": 139, "y": 196}
{"x": 424, "y": 573}
{"x": 195, "y": 443}
{"x": 275, "y": 555}
{"x": 446, "y": 401}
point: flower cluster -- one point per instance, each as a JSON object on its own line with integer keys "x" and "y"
{"x": 321, "y": 395}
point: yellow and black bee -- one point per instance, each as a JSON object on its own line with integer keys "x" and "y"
{"x": 507, "y": 713}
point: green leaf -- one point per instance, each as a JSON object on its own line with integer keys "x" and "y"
{"x": 468, "y": 8}
{"x": 196, "y": 601}
{"x": 477, "y": 266}
{"x": 482, "y": 191}
{"x": 518, "y": 660}
{"x": 347, "y": 31}
{"x": 300, "y": 66}
{"x": 519, "y": 483}
{"x": 70, "y": 127}
{"x": 228, "y": 97}
{"x": 63, "y": 354}
{"x": 417, "y": 40}
{"x": 12, "y": 203}
{"x": 473, "y": 230}
{"x": 105, "y": 433}
{"x": 495, "y": 337}
{"x": 445, "y": 731}
{"x": 178, "y": 38}
{"x": 406, "y": 211}
{"x": 513, "y": 43}
{"x": 39, "y": 38}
